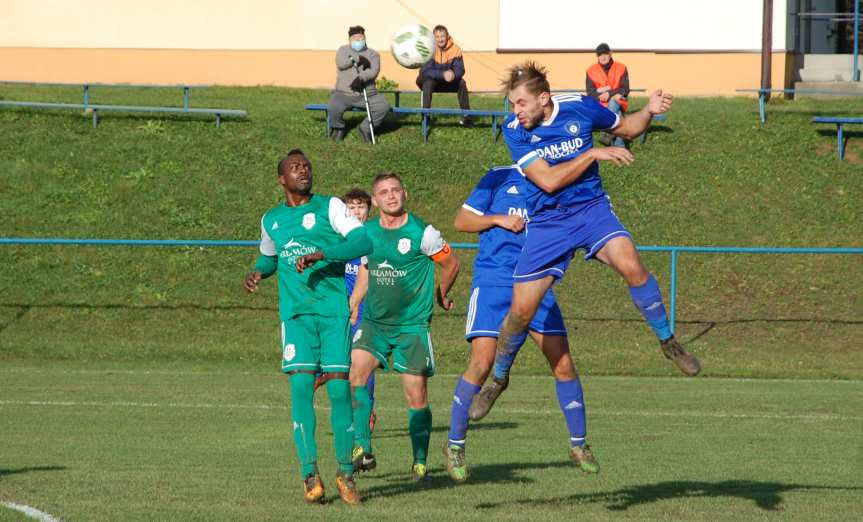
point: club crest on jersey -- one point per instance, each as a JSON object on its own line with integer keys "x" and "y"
{"x": 290, "y": 352}
{"x": 404, "y": 245}
{"x": 309, "y": 221}
{"x": 572, "y": 127}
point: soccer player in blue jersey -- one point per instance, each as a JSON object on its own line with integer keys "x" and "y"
{"x": 496, "y": 209}
{"x": 550, "y": 139}
{"x": 359, "y": 203}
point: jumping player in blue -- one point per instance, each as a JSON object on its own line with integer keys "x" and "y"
{"x": 550, "y": 139}
{"x": 496, "y": 209}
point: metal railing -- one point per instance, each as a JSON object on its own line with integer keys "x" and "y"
{"x": 673, "y": 250}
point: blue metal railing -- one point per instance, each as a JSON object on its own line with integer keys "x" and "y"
{"x": 673, "y": 250}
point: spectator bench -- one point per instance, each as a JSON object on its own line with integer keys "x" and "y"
{"x": 96, "y": 109}
{"x": 496, "y": 126}
{"x": 497, "y": 117}
{"x": 840, "y": 122}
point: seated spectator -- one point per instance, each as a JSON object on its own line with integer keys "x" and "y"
{"x": 608, "y": 82}
{"x": 444, "y": 72}
{"x": 357, "y": 67}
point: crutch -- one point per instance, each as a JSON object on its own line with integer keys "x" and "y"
{"x": 366, "y": 99}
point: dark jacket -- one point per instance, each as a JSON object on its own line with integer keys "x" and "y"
{"x": 447, "y": 59}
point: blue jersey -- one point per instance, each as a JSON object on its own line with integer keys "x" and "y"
{"x": 352, "y": 268}
{"x": 500, "y": 191}
{"x": 564, "y": 136}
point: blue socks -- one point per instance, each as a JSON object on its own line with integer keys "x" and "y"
{"x": 461, "y": 401}
{"x": 571, "y": 399}
{"x": 648, "y": 300}
{"x": 370, "y": 385}
{"x": 503, "y": 361}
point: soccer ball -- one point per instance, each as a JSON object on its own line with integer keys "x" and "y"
{"x": 412, "y": 45}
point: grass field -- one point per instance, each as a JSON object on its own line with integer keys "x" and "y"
{"x": 123, "y": 442}
{"x": 710, "y": 175}
{"x": 141, "y": 383}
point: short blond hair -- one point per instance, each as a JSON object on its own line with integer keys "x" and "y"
{"x": 529, "y": 73}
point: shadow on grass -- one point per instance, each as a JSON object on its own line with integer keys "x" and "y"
{"x": 846, "y": 134}
{"x": 400, "y": 483}
{"x": 381, "y": 433}
{"x": 766, "y": 495}
{"x": 4, "y": 471}
{"x": 708, "y": 324}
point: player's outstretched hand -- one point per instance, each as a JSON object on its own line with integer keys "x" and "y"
{"x": 251, "y": 281}
{"x": 308, "y": 260}
{"x": 512, "y": 222}
{"x": 617, "y": 155}
{"x": 659, "y": 102}
{"x": 444, "y": 302}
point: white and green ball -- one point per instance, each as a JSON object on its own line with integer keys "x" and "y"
{"x": 412, "y": 45}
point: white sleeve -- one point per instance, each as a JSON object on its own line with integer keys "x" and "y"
{"x": 268, "y": 246}
{"x": 432, "y": 242}
{"x": 341, "y": 218}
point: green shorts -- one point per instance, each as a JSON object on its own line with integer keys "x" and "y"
{"x": 410, "y": 346}
{"x": 316, "y": 343}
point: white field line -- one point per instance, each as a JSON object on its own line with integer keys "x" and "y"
{"x": 31, "y": 512}
{"x": 515, "y": 411}
{"x": 278, "y": 374}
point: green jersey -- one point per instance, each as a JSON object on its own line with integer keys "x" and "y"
{"x": 288, "y": 233}
{"x": 401, "y": 273}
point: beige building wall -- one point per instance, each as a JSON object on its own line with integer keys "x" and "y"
{"x": 292, "y": 43}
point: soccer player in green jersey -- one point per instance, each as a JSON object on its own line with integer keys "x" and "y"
{"x": 306, "y": 241}
{"x": 399, "y": 274}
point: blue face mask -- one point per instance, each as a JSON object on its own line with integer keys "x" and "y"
{"x": 358, "y": 45}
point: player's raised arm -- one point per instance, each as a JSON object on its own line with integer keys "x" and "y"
{"x": 551, "y": 178}
{"x": 635, "y": 124}
{"x": 469, "y": 221}
{"x": 356, "y": 243}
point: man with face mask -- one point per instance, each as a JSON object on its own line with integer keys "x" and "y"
{"x": 357, "y": 67}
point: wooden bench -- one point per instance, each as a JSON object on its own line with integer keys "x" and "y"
{"x": 839, "y": 122}
{"x": 95, "y": 109}
{"x": 762, "y": 96}
{"x": 426, "y": 116}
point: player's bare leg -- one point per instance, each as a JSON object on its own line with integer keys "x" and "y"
{"x": 419, "y": 422}
{"x": 363, "y": 363}
{"x": 482, "y": 354}
{"x": 526, "y": 298}
{"x": 570, "y": 397}
{"x": 621, "y": 255}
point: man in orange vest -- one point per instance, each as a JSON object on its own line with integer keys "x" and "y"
{"x": 608, "y": 82}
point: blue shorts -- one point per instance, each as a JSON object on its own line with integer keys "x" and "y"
{"x": 488, "y": 306}
{"x": 554, "y": 235}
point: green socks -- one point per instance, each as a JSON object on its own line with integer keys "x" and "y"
{"x": 303, "y": 417}
{"x": 362, "y": 412}
{"x": 419, "y": 426}
{"x": 341, "y": 420}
